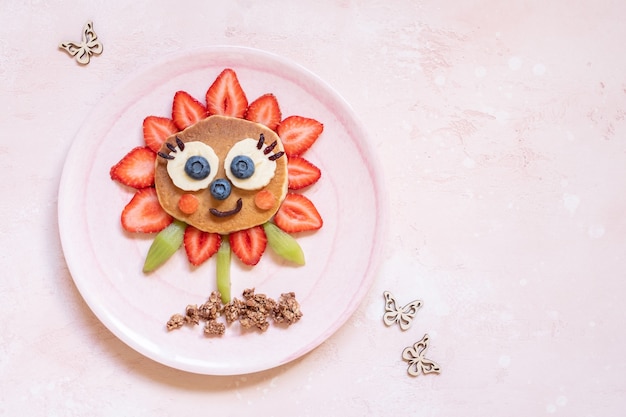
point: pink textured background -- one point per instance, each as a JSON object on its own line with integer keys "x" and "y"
{"x": 501, "y": 130}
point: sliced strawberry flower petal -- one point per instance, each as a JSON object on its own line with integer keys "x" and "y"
{"x": 265, "y": 110}
{"x": 301, "y": 173}
{"x": 186, "y": 110}
{"x": 200, "y": 245}
{"x": 298, "y": 134}
{"x": 297, "y": 214}
{"x": 136, "y": 168}
{"x": 225, "y": 96}
{"x": 144, "y": 213}
{"x": 156, "y": 130}
{"x": 248, "y": 244}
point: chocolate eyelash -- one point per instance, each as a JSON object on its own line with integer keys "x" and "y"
{"x": 165, "y": 156}
{"x": 259, "y": 145}
{"x": 276, "y": 156}
{"x": 181, "y": 146}
{"x": 269, "y": 148}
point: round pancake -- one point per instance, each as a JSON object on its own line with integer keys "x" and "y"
{"x": 221, "y": 133}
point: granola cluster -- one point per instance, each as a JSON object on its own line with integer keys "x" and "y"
{"x": 252, "y": 312}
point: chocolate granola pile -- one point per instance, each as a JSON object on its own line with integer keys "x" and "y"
{"x": 252, "y": 312}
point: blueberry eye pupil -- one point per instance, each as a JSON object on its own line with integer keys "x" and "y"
{"x": 242, "y": 166}
{"x": 197, "y": 167}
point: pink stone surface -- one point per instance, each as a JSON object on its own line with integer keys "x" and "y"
{"x": 500, "y": 128}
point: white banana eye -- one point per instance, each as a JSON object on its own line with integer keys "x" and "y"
{"x": 248, "y": 166}
{"x": 194, "y": 165}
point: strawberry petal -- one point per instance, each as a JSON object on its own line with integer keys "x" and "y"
{"x": 298, "y": 134}
{"x": 248, "y": 244}
{"x": 265, "y": 110}
{"x": 186, "y": 110}
{"x": 297, "y": 214}
{"x": 301, "y": 173}
{"x": 225, "y": 96}
{"x": 144, "y": 213}
{"x": 200, "y": 245}
{"x": 156, "y": 130}
{"x": 136, "y": 168}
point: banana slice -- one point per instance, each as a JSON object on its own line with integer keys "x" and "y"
{"x": 248, "y": 167}
{"x": 193, "y": 167}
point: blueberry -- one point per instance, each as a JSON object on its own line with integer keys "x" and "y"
{"x": 197, "y": 167}
{"x": 242, "y": 167}
{"x": 220, "y": 189}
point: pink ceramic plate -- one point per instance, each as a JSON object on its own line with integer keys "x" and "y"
{"x": 105, "y": 262}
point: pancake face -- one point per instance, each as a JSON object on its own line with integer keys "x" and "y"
{"x": 224, "y": 162}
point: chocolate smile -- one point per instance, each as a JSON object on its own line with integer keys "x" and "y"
{"x": 219, "y": 213}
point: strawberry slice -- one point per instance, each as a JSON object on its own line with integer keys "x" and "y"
{"x": 298, "y": 134}
{"x": 156, "y": 130}
{"x": 136, "y": 168}
{"x": 225, "y": 96}
{"x": 301, "y": 173}
{"x": 248, "y": 244}
{"x": 144, "y": 213}
{"x": 297, "y": 214}
{"x": 200, "y": 245}
{"x": 265, "y": 110}
{"x": 186, "y": 110}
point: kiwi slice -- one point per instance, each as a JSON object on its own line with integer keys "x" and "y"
{"x": 166, "y": 242}
{"x": 283, "y": 244}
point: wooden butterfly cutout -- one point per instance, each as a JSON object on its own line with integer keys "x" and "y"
{"x": 401, "y": 315}
{"x": 417, "y": 362}
{"x": 90, "y": 45}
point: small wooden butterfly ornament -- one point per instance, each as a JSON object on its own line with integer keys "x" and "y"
{"x": 401, "y": 315}
{"x": 414, "y": 355}
{"x": 90, "y": 45}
